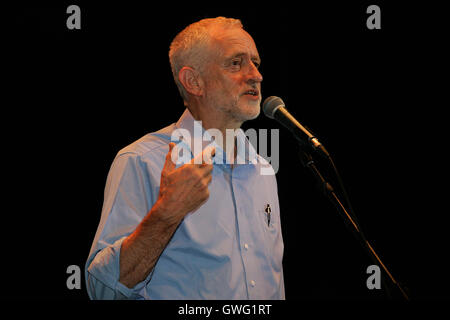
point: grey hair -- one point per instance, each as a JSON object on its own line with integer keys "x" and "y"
{"x": 187, "y": 48}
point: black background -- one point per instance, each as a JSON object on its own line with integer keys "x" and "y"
{"x": 375, "y": 98}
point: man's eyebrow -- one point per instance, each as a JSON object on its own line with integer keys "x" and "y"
{"x": 240, "y": 54}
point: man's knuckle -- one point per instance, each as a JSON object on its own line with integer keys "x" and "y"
{"x": 198, "y": 175}
{"x": 190, "y": 168}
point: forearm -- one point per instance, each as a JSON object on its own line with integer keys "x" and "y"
{"x": 141, "y": 249}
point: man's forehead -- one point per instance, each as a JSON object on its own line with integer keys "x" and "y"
{"x": 235, "y": 41}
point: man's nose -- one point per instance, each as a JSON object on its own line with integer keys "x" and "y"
{"x": 254, "y": 74}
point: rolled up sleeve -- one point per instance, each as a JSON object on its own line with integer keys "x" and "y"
{"x": 103, "y": 275}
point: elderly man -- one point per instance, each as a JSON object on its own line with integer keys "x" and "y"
{"x": 203, "y": 229}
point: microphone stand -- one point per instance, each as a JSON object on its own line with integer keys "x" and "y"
{"x": 308, "y": 162}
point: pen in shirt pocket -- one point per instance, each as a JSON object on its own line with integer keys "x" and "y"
{"x": 268, "y": 211}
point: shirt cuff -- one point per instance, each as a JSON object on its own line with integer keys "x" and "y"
{"x": 104, "y": 273}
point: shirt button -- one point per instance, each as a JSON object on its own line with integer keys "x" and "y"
{"x": 253, "y": 283}
{"x": 246, "y": 246}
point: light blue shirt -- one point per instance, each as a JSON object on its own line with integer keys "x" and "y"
{"x": 226, "y": 249}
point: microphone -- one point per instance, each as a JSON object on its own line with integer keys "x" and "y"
{"x": 274, "y": 108}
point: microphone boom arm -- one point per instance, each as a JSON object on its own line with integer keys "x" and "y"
{"x": 308, "y": 162}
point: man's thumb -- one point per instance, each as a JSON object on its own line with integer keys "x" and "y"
{"x": 171, "y": 158}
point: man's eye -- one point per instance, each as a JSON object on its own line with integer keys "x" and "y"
{"x": 236, "y": 62}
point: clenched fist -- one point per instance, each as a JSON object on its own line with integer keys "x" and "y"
{"x": 184, "y": 189}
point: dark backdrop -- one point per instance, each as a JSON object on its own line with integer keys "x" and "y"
{"x": 375, "y": 98}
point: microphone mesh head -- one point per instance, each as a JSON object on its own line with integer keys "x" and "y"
{"x": 271, "y": 105}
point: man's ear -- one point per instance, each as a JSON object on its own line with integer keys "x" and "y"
{"x": 191, "y": 81}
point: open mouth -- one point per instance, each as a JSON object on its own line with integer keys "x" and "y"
{"x": 252, "y": 92}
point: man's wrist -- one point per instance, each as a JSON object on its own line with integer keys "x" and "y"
{"x": 165, "y": 214}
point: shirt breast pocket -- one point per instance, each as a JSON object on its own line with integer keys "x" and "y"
{"x": 271, "y": 232}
